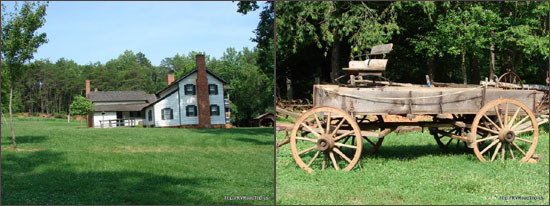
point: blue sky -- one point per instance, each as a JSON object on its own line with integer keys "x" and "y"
{"x": 99, "y": 31}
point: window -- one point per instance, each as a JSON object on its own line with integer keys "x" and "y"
{"x": 191, "y": 110}
{"x": 190, "y": 89}
{"x": 150, "y": 115}
{"x": 212, "y": 89}
{"x": 214, "y": 110}
{"x": 167, "y": 114}
{"x": 135, "y": 114}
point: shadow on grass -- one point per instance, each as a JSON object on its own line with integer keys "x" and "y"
{"x": 44, "y": 177}
{"x": 255, "y": 141}
{"x": 265, "y": 131}
{"x": 410, "y": 152}
{"x": 23, "y": 140}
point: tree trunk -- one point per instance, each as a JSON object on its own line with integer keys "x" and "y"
{"x": 475, "y": 69}
{"x": 431, "y": 67}
{"x": 289, "y": 92}
{"x": 464, "y": 75}
{"x": 492, "y": 64}
{"x": 334, "y": 57}
{"x": 11, "y": 120}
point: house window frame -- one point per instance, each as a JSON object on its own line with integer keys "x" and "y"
{"x": 191, "y": 114}
{"x": 193, "y": 88}
{"x": 217, "y": 110}
{"x": 210, "y": 92}
{"x": 163, "y": 113}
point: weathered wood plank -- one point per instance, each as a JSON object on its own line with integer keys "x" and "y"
{"x": 381, "y": 49}
{"x": 425, "y": 100}
{"x": 368, "y": 65}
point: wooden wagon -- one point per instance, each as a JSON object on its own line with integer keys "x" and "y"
{"x": 496, "y": 123}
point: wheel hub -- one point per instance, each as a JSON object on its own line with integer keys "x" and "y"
{"x": 507, "y": 136}
{"x": 325, "y": 143}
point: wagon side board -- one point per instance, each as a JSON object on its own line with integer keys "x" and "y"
{"x": 416, "y": 100}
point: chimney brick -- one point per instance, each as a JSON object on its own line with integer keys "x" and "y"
{"x": 170, "y": 78}
{"x": 203, "y": 99}
{"x": 87, "y": 88}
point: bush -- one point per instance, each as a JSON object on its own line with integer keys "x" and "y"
{"x": 60, "y": 115}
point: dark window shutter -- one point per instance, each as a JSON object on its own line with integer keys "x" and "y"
{"x": 171, "y": 114}
{"x": 194, "y": 89}
{"x": 150, "y": 115}
{"x": 195, "y": 110}
{"x": 162, "y": 114}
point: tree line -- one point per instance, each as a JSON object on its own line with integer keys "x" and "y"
{"x": 46, "y": 86}
{"x": 456, "y": 42}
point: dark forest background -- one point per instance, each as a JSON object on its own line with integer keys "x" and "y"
{"x": 449, "y": 41}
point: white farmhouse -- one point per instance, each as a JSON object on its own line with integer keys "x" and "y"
{"x": 195, "y": 100}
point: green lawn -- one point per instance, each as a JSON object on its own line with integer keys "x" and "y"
{"x": 411, "y": 169}
{"x": 62, "y": 163}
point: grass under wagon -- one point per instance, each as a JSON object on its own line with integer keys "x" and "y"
{"x": 411, "y": 169}
{"x": 61, "y": 163}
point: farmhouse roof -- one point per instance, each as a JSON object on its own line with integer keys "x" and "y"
{"x": 121, "y": 96}
{"x": 188, "y": 74}
{"x": 119, "y": 107}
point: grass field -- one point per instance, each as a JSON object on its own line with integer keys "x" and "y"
{"x": 411, "y": 169}
{"x": 62, "y": 163}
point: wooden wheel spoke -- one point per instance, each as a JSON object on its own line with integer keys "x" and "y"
{"x": 306, "y": 139}
{"x": 489, "y": 146}
{"x": 313, "y": 159}
{"x": 487, "y": 138}
{"x": 505, "y": 116}
{"x": 334, "y": 163}
{"x": 311, "y": 130}
{"x": 307, "y": 150}
{"x": 487, "y": 129}
{"x": 343, "y": 135}
{"x": 368, "y": 140}
{"x": 520, "y": 122}
{"x": 525, "y": 130}
{"x": 345, "y": 145}
{"x": 513, "y": 118}
{"x": 496, "y": 151}
{"x": 498, "y": 115}
{"x": 319, "y": 125}
{"x": 511, "y": 152}
{"x": 517, "y": 147}
{"x": 503, "y": 153}
{"x": 449, "y": 142}
{"x": 327, "y": 131}
{"x": 491, "y": 121}
{"x": 524, "y": 140}
{"x": 342, "y": 154}
{"x": 338, "y": 127}
{"x": 324, "y": 164}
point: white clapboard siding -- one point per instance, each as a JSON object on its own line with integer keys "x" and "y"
{"x": 217, "y": 100}
{"x": 186, "y": 100}
{"x": 171, "y": 101}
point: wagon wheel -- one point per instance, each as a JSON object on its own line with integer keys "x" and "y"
{"x": 324, "y": 136}
{"x": 510, "y": 77}
{"x": 446, "y": 142}
{"x": 374, "y": 143}
{"x": 512, "y": 136}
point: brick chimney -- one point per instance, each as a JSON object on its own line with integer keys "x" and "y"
{"x": 89, "y": 118}
{"x": 203, "y": 99}
{"x": 87, "y": 88}
{"x": 170, "y": 78}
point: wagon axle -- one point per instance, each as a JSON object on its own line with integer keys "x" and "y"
{"x": 506, "y": 136}
{"x": 325, "y": 143}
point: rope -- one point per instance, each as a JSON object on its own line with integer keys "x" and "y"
{"x": 401, "y": 98}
